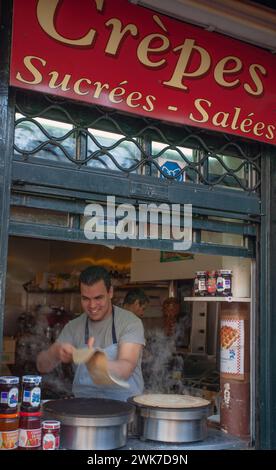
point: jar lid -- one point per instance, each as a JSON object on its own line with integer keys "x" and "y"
{"x": 51, "y": 424}
{"x": 9, "y": 380}
{"x": 25, "y": 413}
{"x": 7, "y": 415}
{"x": 225, "y": 271}
{"x": 201, "y": 273}
{"x": 31, "y": 379}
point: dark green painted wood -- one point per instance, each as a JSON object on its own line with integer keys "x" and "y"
{"x": 134, "y": 187}
{"x": 266, "y": 383}
{"x": 72, "y": 234}
{"x": 6, "y": 149}
{"x": 77, "y": 207}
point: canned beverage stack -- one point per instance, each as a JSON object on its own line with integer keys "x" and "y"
{"x": 213, "y": 283}
{"x": 9, "y": 391}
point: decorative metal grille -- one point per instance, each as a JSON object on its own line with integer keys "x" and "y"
{"x": 92, "y": 137}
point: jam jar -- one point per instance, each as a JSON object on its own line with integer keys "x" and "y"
{"x": 9, "y": 388}
{"x": 9, "y": 431}
{"x": 212, "y": 283}
{"x": 31, "y": 393}
{"x": 224, "y": 283}
{"x": 50, "y": 434}
{"x": 29, "y": 431}
{"x": 200, "y": 283}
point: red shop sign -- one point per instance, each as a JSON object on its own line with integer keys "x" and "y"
{"x": 124, "y": 56}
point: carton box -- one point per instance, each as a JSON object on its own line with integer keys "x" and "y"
{"x": 9, "y": 344}
{"x": 7, "y": 356}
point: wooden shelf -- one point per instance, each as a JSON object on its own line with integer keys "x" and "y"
{"x": 217, "y": 299}
{"x": 52, "y": 291}
{"x": 142, "y": 285}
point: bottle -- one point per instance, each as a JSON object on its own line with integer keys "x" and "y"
{"x": 224, "y": 283}
{"x": 9, "y": 388}
{"x": 29, "y": 431}
{"x": 212, "y": 283}
{"x": 31, "y": 393}
{"x": 200, "y": 283}
{"x": 9, "y": 431}
{"x": 50, "y": 435}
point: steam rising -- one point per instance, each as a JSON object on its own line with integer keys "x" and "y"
{"x": 164, "y": 369}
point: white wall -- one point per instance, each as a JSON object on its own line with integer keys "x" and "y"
{"x": 241, "y": 280}
{"x": 25, "y": 257}
{"x": 146, "y": 266}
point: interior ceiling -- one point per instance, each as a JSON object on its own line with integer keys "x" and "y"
{"x": 253, "y": 22}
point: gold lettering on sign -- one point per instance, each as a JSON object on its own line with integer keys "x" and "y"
{"x": 78, "y": 84}
{"x": 63, "y": 84}
{"x": 258, "y": 128}
{"x": 132, "y": 97}
{"x": 144, "y": 49}
{"x": 187, "y": 49}
{"x": 37, "y": 77}
{"x": 117, "y": 34}
{"x": 204, "y": 114}
{"x": 221, "y": 70}
{"x": 256, "y": 79}
{"x": 149, "y": 101}
{"x": 235, "y": 118}
{"x": 46, "y": 11}
{"x": 116, "y": 93}
{"x": 270, "y": 134}
{"x": 99, "y": 88}
{"x": 220, "y": 119}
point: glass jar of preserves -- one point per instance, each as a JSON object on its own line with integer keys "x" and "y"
{"x": 50, "y": 435}
{"x": 9, "y": 388}
{"x": 212, "y": 283}
{"x": 9, "y": 431}
{"x": 200, "y": 283}
{"x": 31, "y": 393}
{"x": 29, "y": 431}
{"x": 224, "y": 283}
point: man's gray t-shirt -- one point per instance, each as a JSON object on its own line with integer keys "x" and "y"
{"x": 128, "y": 327}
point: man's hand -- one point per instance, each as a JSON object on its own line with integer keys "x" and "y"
{"x": 64, "y": 352}
{"x": 58, "y": 352}
{"x": 91, "y": 342}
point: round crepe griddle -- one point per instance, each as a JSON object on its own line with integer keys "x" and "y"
{"x": 87, "y": 407}
{"x": 169, "y": 401}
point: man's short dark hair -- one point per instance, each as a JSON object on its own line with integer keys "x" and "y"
{"x": 136, "y": 294}
{"x": 93, "y": 274}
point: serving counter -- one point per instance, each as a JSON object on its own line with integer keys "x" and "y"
{"x": 215, "y": 440}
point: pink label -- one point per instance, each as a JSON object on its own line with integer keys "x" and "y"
{"x": 50, "y": 442}
{"x": 29, "y": 438}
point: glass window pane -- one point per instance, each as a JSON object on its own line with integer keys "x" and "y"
{"x": 222, "y": 165}
{"x": 39, "y": 216}
{"x": 105, "y": 153}
{"x": 28, "y": 137}
{"x": 231, "y": 239}
{"x": 171, "y": 161}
